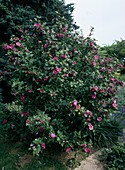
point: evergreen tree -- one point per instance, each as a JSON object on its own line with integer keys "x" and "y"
{"x": 16, "y": 12}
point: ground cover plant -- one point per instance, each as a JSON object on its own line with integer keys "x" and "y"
{"x": 114, "y": 156}
{"x": 65, "y": 89}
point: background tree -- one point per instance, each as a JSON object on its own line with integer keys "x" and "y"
{"x": 117, "y": 49}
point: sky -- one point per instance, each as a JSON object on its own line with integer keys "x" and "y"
{"x": 106, "y": 16}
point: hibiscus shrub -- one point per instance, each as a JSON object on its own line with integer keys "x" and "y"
{"x": 64, "y": 87}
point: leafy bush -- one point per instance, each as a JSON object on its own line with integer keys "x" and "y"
{"x": 114, "y": 157}
{"x": 64, "y": 87}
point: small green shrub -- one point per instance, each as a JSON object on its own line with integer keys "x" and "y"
{"x": 114, "y": 157}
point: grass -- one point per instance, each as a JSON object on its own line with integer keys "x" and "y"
{"x": 44, "y": 163}
{"x": 12, "y": 157}
{"x": 7, "y": 160}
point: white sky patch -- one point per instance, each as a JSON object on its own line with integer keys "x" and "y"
{"x": 106, "y": 16}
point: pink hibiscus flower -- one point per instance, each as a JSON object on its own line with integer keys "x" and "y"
{"x": 45, "y": 78}
{"x": 96, "y": 57}
{"x": 87, "y": 150}
{"x": 30, "y": 90}
{"x": 77, "y": 107}
{"x": 27, "y": 121}
{"x": 58, "y": 69}
{"x": 95, "y": 88}
{"x": 114, "y": 101}
{"x": 66, "y": 75}
{"x": 41, "y": 91}
{"x": 74, "y": 62}
{"x": 83, "y": 145}
{"x": 45, "y": 45}
{"x": 90, "y": 127}
{"x": 42, "y": 121}
{"x": 109, "y": 71}
{"x": 55, "y": 58}
{"x": 53, "y": 135}
{"x": 22, "y": 98}
{"x": 111, "y": 90}
{"x": 114, "y": 105}
{"x": 99, "y": 119}
{"x": 94, "y": 63}
{"x": 68, "y": 149}
{"x": 41, "y": 28}
{"x": 100, "y": 90}
{"x": 43, "y": 145}
{"x": 101, "y": 76}
{"x": 94, "y": 95}
{"x": 75, "y": 102}
{"x": 112, "y": 85}
{"x": 55, "y": 71}
{"x": 18, "y": 44}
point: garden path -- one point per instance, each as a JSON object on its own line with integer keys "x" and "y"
{"x": 91, "y": 163}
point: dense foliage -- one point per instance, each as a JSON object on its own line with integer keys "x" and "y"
{"x": 114, "y": 157}
{"x": 16, "y": 13}
{"x": 63, "y": 87}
